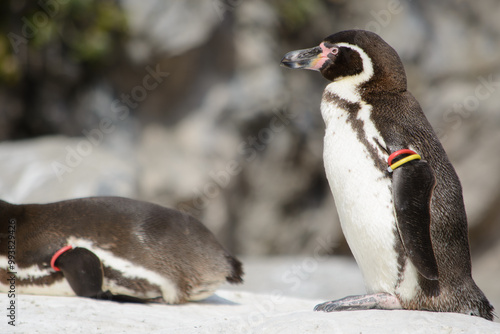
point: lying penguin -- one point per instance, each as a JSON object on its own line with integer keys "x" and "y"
{"x": 111, "y": 248}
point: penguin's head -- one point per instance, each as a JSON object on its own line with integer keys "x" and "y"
{"x": 357, "y": 55}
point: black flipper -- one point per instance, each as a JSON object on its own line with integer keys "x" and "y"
{"x": 412, "y": 185}
{"x": 83, "y": 271}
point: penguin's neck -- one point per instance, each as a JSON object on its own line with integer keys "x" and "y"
{"x": 343, "y": 109}
{"x": 340, "y": 97}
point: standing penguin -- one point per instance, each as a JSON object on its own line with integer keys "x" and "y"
{"x": 111, "y": 248}
{"x": 398, "y": 197}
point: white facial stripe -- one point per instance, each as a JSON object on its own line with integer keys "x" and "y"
{"x": 367, "y": 63}
{"x": 346, "y": 87}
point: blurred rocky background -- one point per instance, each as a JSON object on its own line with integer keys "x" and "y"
{"x": 183, "y": 103}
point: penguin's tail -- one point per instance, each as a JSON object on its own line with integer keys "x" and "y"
{"x": 236, "y": 273}
{"x": 486, "y": 310}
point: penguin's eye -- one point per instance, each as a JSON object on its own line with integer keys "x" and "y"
{"x": 333, "y": 53}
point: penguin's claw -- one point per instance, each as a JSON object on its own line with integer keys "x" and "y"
{"x": 381, "y": 301}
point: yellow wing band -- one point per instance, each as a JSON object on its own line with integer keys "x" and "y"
{"x": 403, "y": 161}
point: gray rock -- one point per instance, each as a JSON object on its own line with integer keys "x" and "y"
{"x": 55, "y": 168}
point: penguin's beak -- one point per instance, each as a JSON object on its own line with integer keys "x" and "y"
{"x": 309, "y": 59}
{"x": 315, "y": 59}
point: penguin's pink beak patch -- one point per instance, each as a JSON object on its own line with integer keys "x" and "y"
{"x": 310, "y": 59}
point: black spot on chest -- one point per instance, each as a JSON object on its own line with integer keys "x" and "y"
{"x": 358, "y": 125}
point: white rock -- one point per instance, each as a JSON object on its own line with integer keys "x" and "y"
{"x": 227, "y": 312}
{"x": 55, "y": 168}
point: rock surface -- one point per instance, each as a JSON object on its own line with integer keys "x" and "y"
{"x": 278, "y": 297}
{"x": 229, "y": 312}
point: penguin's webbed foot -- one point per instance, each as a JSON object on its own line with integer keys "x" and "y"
{"x": 380, "y": 301}
{"x": 107, "y": 295}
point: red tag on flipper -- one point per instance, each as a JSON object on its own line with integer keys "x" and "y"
{"x": 57, "y": 254}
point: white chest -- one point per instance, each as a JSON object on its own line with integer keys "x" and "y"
{"x": 362, "y": 193}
